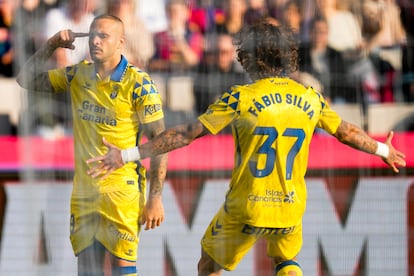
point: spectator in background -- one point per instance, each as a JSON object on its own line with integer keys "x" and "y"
{"x": 345, "y": 36}
{"x": 275, "y": 8}
{"x": 325, "y": 63}
{"x": 139, "y": 44}
{"x": 76, "y": 15}
{"x": 407, "y": 19}
{"x": 6, "y": 50}
{"x": 384, "y": 34}
{"x": 390, "y": 34}
{"x": 218, "y": 72}
{"x": 344, "y": 29}
{"x": 178, "y": 49}
{"x": 295, "y": 13}
{"x": 27, "y": 28}
{"x": 153, "y": 14}
{"x": 256, "y": 11}
{"x": 234, "y": 13}
{"x": 204, "y": 16}
{"x": 291, "y": 15}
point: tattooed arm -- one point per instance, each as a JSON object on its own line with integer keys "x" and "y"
{"x": 154, "y": 210}
{"x": 160, "y": 143}
{"x": 357, "y": 138}
{"x": 167, "y": 141}
{"x": 33, "y": 74}
{"x": 172, "y": 139}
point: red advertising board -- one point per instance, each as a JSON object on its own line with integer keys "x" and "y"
{"x": 208, "y": 153}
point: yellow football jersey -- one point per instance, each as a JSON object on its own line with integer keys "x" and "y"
{"x": 113, "y": 108}
{"x": 272, "y": 121}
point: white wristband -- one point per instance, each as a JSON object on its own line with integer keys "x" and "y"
{"x": 130, "y": 155}
{"x": 382, "y": 150}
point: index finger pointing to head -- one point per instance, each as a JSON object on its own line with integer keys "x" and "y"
{"x": 80, "y": 34}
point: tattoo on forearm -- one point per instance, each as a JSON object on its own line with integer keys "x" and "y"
{"x": 34, "y": 73}
{"x": 165, "y": 142}
{"x": 356, "y": 137}
{"x": 158, "y": 172}
{"x": 158, "y": 166}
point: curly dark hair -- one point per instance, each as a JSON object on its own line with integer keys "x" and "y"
{"x": 265, "y": 50}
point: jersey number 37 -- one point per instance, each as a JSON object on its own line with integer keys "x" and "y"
{"x": 269, "y": 151}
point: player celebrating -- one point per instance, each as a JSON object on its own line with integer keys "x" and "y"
{"x": 273, "y": 121}
{"x": 112, "y": 99}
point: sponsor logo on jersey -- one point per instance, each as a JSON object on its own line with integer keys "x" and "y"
{"x": 122, "y": 235}
{"x": 273, "y": 196}
{"x": 95, "y": 113}
{"x": 289, "y": 197}
{"x": 152, "y": 108}
{"x": 252, "y": 230}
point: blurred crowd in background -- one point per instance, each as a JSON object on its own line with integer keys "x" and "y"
{"x": 353, "y": 51}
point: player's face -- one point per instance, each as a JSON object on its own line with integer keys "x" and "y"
{"x": 105, "y": 40}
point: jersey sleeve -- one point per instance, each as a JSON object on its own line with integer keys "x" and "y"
{"x": 221, "y": 113}
{"x": 61, "y": 77}
{"x": 329, "y": 120}
{"x": 148, "y": 101}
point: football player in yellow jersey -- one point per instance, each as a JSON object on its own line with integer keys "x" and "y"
{"x": 273, "y": 121}
{"x": 113, "y": 99}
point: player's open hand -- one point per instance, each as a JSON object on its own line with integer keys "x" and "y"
{"x": 395, "y": 158}
{"x": 153, "y": 214}
{"x": 64, "y": 39}
{"x": 105, "y": 164}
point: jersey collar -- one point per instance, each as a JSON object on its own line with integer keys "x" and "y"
{"x": 119, "y": 71}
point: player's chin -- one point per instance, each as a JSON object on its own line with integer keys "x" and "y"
{"x": 95, "y": 56}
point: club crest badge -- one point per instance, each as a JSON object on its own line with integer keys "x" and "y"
{"x": 115, "y": 91}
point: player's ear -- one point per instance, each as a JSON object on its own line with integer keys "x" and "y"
{"x": 121, "y": 42}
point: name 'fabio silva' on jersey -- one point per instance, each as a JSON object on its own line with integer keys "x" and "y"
{"x": 277, "y": 98}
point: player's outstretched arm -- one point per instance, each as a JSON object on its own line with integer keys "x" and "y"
{"x": 357, "y": 138}
{"x": 167, "y": 141}
{"x": 33, "y": 74}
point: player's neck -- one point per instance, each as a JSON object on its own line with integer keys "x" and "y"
{"x": 105, "y": 68}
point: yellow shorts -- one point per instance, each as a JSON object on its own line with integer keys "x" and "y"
{"x": 227, "y": 240}
{"x": 110, "y": 218}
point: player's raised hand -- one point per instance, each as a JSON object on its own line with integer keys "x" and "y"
{"x": 105, "y": 164}
{"x": 395, "y": 158}
{"x": 65, "y": 39}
